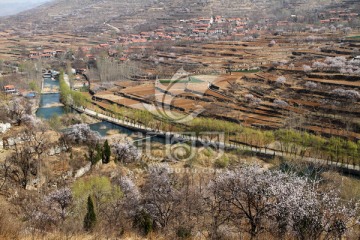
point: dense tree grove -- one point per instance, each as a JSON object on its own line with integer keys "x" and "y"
{"x": 246, "y": 202}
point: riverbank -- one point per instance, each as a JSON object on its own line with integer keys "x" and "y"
{"x": 347, "y": 168}
{"x": 173, "y": 136}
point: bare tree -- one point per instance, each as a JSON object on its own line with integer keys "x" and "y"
{"x": 160, "y": 196}
{"x": 258, "y": 200}
{"x": 58, "y": 201}
{"x": 23, "y": 165}
{"x": 17, "y": 108}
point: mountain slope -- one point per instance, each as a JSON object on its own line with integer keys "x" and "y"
{"x": 9, "y": 7}
{"x": 92, "y": 16}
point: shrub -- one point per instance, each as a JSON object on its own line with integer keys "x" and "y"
{"x": 272, "y": 43}
{"x": 183, "y": 232}
{"x": 125, "y": 152}
{"x": 81, "y": 133}
{"x": 143, "y": 222}
{"x": 222, "y": 162}
{"x": 310, "y": 85}
{"x": 307, "y": 68}
{"x": 280, "y": 81}
{"x": 280, "y": 103}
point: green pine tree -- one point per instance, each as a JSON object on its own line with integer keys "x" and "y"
{"x": 90, "y": 217}
{"x": 94, "y": 154}
{"x": 106, "y": 153}
{"x": 99, "y": 152}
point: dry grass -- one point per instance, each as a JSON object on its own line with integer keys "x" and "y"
{"x": 10, "y": 227}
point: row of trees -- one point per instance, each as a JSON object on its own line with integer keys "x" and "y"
{"x": 338, "y": 64}
{"x": 70, "y": 97}
{"x": 199, "y": 125}
{"x": 293, "y": 142}
{"x": 247, "y": 202}
{"x": 303, "y": 144}
{"x": 142, "y": 117}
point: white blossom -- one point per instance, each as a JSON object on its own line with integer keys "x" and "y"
{"x": 126, "y": 152}
{"x": 279, "y": 202}
{"x": 310, "y": 85}
{"x": 31, "y": 120}
{"x": 59, "y": 200}
{"x": 81, "y": 133}
{"x": 349, "y": 94}
{"x": 280, "y": 103}
{"x": 252, "y": 99}
{"x": 280, "y": 80}
{"x": 272, "y": 43}
{"x": 307, "y": 68}
{"x": 129, "y": 188}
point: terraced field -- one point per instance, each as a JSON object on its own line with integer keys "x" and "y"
{"x": 254, "y": 97}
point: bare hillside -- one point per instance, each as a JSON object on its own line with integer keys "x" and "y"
{"x": 96, "y": 16}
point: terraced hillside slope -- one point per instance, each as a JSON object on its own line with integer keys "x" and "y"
{"x": 98, "y": 16}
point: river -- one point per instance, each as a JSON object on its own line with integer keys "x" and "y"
{"x": 50, "y": 106}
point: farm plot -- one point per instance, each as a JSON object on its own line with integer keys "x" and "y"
{"x": 141, "y": 91}
{"x": 335, "y": 82}
{"x": 110, "y": 97}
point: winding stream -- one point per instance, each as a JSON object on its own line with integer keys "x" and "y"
{"x": 50, "y": 106}
{"x": 50, "y": 103}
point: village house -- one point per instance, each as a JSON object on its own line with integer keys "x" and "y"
{"x": 10, "y": 89}
{"x": 34, "y": 53}
{"x": 335, "y": 20}
{"x": 113, "y": 53}
{"x": 59, "y": 53}
{"x": 90, "y": 57}
{"x": 104, "y": 45}
{"x": 325, "y": 21}
{"x": 34, "y": 57}
{"x": 219, "y": 19}
{"x": 46, "y": 56}
{"x": 206, "y": 20}
{"x": 49, "y": 52}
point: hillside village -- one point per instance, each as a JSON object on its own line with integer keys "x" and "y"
{"x": 177, "y": 119}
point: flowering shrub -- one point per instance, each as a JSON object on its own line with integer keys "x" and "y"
{"x": 81, "y": 133}
{"x": 310, "y": 85}
{"x": 338, "y": 64}
{"x": 125, "y": 152}
{"x": 280, "y": 103}
{"x": 307, "y": 68}
{"x": 349, "y": 94}
{"x": 280, "y": 80}
{"x": 252, "y": 100}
